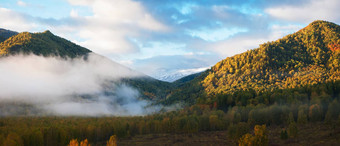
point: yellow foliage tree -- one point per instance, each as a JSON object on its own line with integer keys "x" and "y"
{"x": 84, "y": 143}
{"x": 73, "y": 142}
{"x": 259, "y": 139}
{"x": 112, "y": 141}
{"x": 246, "y": 140}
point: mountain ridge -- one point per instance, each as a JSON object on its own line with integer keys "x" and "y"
{"x": 307, "y": 57}
{"x": 44, "y": 43}
{"x": 49, "y": 45}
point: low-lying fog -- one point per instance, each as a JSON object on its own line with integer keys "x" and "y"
{"x": 67, "y": 87}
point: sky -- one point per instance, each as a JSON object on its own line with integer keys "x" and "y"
{"x": 160, "y": 37}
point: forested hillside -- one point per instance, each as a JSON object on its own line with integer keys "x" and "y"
{"x": 45, "y": 43}
{"x": 5, "y": 34}
{"x": 307, "y": 57}
{"x": 48, "y": 44}
{"x": 149, "y": 87}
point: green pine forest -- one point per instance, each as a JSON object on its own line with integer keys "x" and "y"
{"x": 283, "y": 92}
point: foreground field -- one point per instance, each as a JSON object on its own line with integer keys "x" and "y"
{"x": 309, "y": 134}
{"x": 56, "y": 131}
{"x": 201, "y": 138}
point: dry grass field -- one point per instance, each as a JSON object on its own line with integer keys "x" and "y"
{"x": 309, "y": 134}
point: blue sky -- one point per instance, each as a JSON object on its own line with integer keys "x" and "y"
{"x": 137, "y": 33}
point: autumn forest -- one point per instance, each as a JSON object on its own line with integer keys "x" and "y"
{"x": 283, "y": 92}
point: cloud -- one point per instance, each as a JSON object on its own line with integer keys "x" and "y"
{"x": 158, "y": 48}
{"x": 277, "y": 31}
{"x": 74, "y": 13}
{"x": 83, "y": 86}
{"x": 185, "y": 8}
{"x": 113, "y": 23}
{"x": 237, "y": 45}
{"x": 124, "y": 102}
{"x": 128, "y": 30}
{"x": 308, "y": 12}
{"x": 15, "y": 21}
{"x": 107, "y": 30}
{"x": 214, "y": 35}
{"x": 81, "y": 2}
{"x": 172, "y": 67}
{"x": 21, "y": 3}
{"x": 249, "y": 40}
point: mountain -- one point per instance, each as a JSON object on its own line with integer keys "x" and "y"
{"x": 48, "y": 44}
{"x": 5, "y": 34}
{"x": 173, "y": 67}
{"x": 150, "y": 88}
{"x": 176, "y": 74}
{"x": 45, "y": 43}
{"x": 186, "y": 79}
{"x": 307, "y": 57}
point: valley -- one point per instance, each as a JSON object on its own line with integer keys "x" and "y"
{"x": 285, "y": 92}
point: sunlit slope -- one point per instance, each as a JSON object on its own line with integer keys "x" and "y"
{"x": 309, "y": 56}
{"x": 45, "y": 43}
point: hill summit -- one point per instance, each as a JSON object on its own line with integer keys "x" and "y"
{"x": 45, "y": 43}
